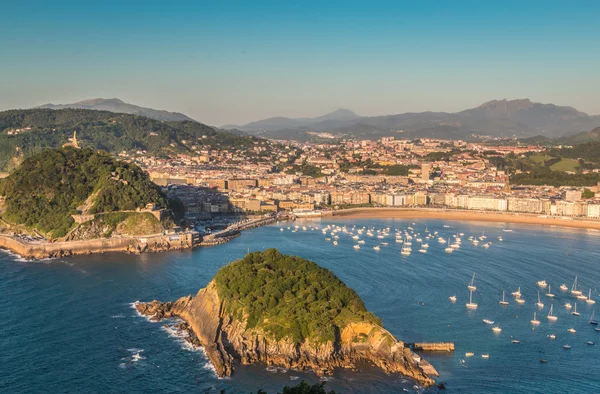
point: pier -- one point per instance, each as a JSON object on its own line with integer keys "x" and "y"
{"x": 432, "y": 346}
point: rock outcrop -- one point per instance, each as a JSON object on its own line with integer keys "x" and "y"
{"x": 227, "y": 340}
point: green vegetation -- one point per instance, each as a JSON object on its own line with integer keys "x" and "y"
{"x": 106, "y": 131}
{"x": 570, "y": 165}
{"x": 126, "y": 223}
{"x": 306, "y": 170}
{"x": 288, "y": 296}
{"x": 587, "y": 193}
{"x": 397, "y": 170}
{"x": 545, "y": 176}
{"x": 49, "y": 187}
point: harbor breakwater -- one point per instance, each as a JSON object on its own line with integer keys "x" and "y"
{"x": 40, "y": 250}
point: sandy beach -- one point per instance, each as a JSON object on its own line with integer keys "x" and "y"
{"x": 446, "y": 214}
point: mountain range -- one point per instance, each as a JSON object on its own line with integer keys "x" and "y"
{"x": 496, "y": 118}
{"x": 119, "y": 106}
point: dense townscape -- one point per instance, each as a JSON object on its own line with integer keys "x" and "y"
{"x": 306, "y": 178}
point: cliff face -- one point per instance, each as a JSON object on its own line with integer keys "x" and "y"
{"x": 226, "y": 340}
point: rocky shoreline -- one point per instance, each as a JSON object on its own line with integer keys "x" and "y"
{"x": 226, "y": 341}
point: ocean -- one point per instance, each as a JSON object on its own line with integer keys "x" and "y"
{"x": 67, "y": 325}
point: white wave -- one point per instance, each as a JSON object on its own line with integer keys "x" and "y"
{"x": 133, "y": 306}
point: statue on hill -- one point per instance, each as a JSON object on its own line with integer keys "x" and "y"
{"x": 73, "y": 141}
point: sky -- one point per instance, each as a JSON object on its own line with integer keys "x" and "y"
{"x": 232, "y": 62}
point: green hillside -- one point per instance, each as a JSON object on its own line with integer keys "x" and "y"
{"x": 47, "y": 188}
{"x": 26, "y": 132}
{"x": 288, "y": 296}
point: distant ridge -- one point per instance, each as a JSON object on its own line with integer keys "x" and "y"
{"x": 119, "y": 106}
{"x": 503, "y": 118}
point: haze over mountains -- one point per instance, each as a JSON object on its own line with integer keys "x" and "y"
{"x": 118, "y": 106}
{"x": 496, "y": 118}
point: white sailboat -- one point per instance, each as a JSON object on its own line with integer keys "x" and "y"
{"x": 574, "y": 290}
{"x": 449, "y": 249}
{"x": 592, "y": 321}
{"x": 575, "y": 313}
{"x": 589, "y": 299}
{"x": 535, "y": 321}
{"x": 517, "y": 293}
{"x": 503, "y": 301}
{"x": 549, "y": 293}
{"x": 551, "y": 317}
{"x": 542, "y": 284}
{"x": 471, "y": 304}
{"x": 472, "y": 286}
{"x": 539, "y": 304}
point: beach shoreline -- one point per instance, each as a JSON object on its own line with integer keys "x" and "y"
{"x": 465, "y": 215}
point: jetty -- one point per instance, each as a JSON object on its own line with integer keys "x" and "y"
{"x": 432, "y": 346}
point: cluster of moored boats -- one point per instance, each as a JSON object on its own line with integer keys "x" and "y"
{"x": 551, "y": 316}
{"x": 403, "y": 237}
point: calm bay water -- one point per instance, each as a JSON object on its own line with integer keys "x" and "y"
{"x": 68, "y": 325}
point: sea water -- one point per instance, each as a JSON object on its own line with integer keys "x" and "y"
{"x": 67, "y": 325}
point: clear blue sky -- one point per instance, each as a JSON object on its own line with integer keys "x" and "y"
{"x": 225, "y": 61}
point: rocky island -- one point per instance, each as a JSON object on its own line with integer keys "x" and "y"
{"x": 285, "y": 311}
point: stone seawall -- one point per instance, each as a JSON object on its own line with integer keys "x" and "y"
{"x": 40, "y": 250}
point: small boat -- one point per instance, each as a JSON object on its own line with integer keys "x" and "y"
{"x": 281, "y": 229}
{"x": 405, "y": 252}
{"x": 503, "y": 300}
{"x": 471, "y": 285}
{"x": 575, "y": 313}
{"x": 568, "y": 306}
{"x": 591, "y": 343}
{"x": 574, "y": 290}
{"x": 384, "y": 244}
{"x": 539, "y": 304}
{"x": 469, "y": 354}
{"x": 335, "y": 242}
{"x": 535, "y": 321}
{"x": 446, "y": 226}
{"x": 497, "y": 330}
{"x": 452, "y": 298}
{"x": 356, "y": 247}
{"x": 552, "y": 336}
{"x": 543, "y": 361}
{"x": 361, "y": 242}
{"x": 376, "y": 248}
{"x": 485, "y": 355}
{"x": 449, "y": 249}
{"x": 519, "y": 300}
{"x": 471, "y": 304}
{"x": 589, "y": 298}
{"x": 572, "y": 330}
{"x": 422, "y": 250}
{"x": 592, "y": 321}
{"x": 582, "y": 297}
{"x": 542, "y": 284}
{"x": 549, "y": 293}
{"x": 563, "y": 287}
{"x": 500, "y": 239}
{"x": 551, "y": 317}
{"x": 507, "y": 230}
{"x": 597, "y": 329}
{"x": 515, "y": 341}
{"x": 488, "y": 321}
{"x": 517, "y": 293}
{"x": 566, "y": 347}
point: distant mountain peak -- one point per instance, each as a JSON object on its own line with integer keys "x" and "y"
{"x": 119, "y": 106}
{"x": 98, "y": 101}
